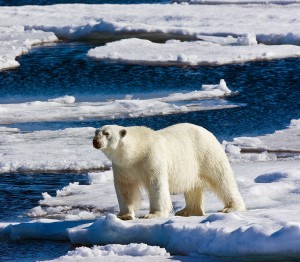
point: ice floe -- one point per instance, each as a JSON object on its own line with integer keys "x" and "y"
{"x": 65, "y": 108}
{"x": 189, "y": 53}
{"x": 70, "y": 149}
{"x": 266, "y": 167}
{"x": 280, "y": 145}
{"x": 16, "y": 41}
{"x": 79, "y": 20}
{"x": 270, "y": 24}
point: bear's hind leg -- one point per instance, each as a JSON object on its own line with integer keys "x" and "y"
{"x": 227, "y": 190}
{"x": 194, "y": 203}
{"x": 232, "y": 202}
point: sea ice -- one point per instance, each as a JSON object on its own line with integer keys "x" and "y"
{"x": 237, "y": 31}
{"x": 74, "y": 21}
{"x": 190, "y": 53}
{"x": 131, "y": 250}
{"x": 280, "y": 145}
{"x": 15, "y": 41}
{"x": 65, "y": 108}
{"x": 25, "y": 152}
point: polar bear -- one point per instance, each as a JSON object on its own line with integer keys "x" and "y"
{"x": 183, "y": 158}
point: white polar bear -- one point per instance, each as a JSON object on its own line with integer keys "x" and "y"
{"x": 180, "y": 158}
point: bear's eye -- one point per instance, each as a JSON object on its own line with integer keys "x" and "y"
{"x": 105, "y": 133}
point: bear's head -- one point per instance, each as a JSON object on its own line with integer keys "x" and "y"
{"x": 108, "y": 137}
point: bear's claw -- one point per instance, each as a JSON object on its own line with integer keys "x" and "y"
{"x": 186, "y": 213}
{"x": 126, "y": 217}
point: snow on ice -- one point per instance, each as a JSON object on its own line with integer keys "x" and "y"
{"x": 237, "y": 30}
{"x": 132, "y": 252}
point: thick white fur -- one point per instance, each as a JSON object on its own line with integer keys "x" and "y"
{"x": 181, "y": 158}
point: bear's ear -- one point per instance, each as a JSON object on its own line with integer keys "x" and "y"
{"x": 123, "y": 132}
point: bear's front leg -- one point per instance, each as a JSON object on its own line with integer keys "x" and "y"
{"x": 159, "y": 197}
{"x": 128, "y": 195}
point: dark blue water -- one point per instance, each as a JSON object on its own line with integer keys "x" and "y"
{"x": 20, "y": 192}
{"x": 270, "y": 92}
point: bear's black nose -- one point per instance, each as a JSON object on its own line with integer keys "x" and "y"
{"x": 96, "y": 143}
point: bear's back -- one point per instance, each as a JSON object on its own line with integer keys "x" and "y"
{"x": 188, "y": 132}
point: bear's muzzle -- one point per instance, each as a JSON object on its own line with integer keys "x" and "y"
{"x": 96, "y": 143}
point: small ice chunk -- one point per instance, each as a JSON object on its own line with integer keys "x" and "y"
{"x": 37, "y": 212}
{"x": 248, "y": 142}
{"x": 223, "y": 86}
{"x": 63, "y": 100}
{"x": 247, "y": 39}
{"x": 232, "y": 149}
{"x": 128, "y": 97}
{"x": 100, "y": 177}
{"x": 182, "y": 58}
{"x": 46, "y": 195}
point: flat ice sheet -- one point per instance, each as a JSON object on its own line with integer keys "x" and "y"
{"x": 270, "y": 24}
{"x": 66, "y": 108}
{"x": 273, "y": 22}
{"x": 189, "y": 53}
{"x": 15, "y": 41}
{"x": 280, "y": 145}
